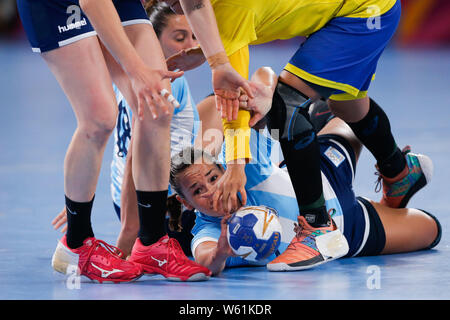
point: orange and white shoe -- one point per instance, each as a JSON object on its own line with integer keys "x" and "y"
{"x": 96, "y": 260}
{"x": 166, "y": 257}
{"x": 310, "y": 247}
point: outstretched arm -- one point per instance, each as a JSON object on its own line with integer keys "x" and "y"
{"x": 129, "y": 216}
{"x": 213, "y": 255}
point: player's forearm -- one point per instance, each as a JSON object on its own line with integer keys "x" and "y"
{"x": 214, "y": 260}
{"x": 105, "y": 20}
{"x": 202, "y": 20}
{"x": 129, "y": 216}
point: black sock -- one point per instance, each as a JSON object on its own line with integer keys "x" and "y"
{"x": 152, "y": 207}
{"x": 289, "y": 116}
{"x": 303, "y": 165}
{"x": 78, "y": 222}
{"x": 374, "y": 131}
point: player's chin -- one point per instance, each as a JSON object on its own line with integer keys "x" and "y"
{"x": 213, "y": 213}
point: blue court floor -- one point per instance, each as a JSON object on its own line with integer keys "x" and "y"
{"x": 36, "y": 126}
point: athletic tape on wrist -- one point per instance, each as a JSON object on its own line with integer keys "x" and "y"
{"x": 217, "y": 59}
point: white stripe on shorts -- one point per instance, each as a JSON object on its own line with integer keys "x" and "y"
{"x": 366, "y": 229}
{"x": 136, "y": 21}
{"x": 77, "y": 38}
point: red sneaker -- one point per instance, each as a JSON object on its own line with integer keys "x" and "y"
{"x": 95, "y": 260}
{"x": 166, "y": 257}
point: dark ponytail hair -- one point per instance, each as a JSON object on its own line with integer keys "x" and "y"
{"x": 158, "y": 13}
{"x": 175, "y": 213}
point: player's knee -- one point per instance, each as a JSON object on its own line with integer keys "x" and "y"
{"x": 99, "y": 125}
{"x": 288, "y": 119}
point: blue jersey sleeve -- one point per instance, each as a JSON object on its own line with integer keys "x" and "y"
{"x": 207, "y": 228}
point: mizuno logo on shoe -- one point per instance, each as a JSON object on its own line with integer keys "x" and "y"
{"x": 160, "y": 263}
{"x": 106, "y": 273}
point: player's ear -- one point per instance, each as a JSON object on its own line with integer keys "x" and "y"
{"x": 185, "y": 203}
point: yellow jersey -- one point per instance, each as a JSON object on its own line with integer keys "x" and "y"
{"x": 249, "y": 22}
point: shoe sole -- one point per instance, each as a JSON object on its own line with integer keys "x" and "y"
{"x": 331, "y": 246}
{"x": 149, "y": 271}
{"x": 63, "y": 258}
{"x": 426, "y": 165}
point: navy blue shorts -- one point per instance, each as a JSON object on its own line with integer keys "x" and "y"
{"x": 50, "y": 24}
{"x": 343, "y": 55}
{"x": 361, "y": 224}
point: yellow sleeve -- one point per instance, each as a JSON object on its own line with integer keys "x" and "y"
{"x": 237, "y": 132}
{"x": 236, "y": 23}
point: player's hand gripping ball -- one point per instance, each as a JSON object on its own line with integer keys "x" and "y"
{"x": 254, "y": 232}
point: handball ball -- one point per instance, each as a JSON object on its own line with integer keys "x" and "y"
{"x": 254, "y": 232}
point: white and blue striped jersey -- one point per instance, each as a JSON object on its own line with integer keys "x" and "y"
{"x": 183, "y": 130}
{"x": 269, "y": 185}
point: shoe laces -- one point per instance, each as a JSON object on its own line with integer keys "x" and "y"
{"x": 174, "y": 246}
{"x": 116, "y": 252}
{"x": 300, "y": 231}
{"x": 378, "y": 184}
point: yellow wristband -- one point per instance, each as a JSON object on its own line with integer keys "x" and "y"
{"x": 237, "y": 137}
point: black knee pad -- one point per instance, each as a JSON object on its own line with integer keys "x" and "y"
{"x": 320, "y": 114}
{"x": 288, "y": 119}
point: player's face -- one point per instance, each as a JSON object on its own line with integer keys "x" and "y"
{"x": 177, "y": 35}
{"x": 198, "y": 180}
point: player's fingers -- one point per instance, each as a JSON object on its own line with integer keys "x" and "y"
{"x": 233, "y": 202}
{"x": 243, "y": 196}
{"x": 223, "y": 107}
{"x": 170, "y": 98}
{"x": 159, "y": 104}
{"x": 224, "y": 223}
{"x": 141, "y": 105}
{"x": 224, "y": 201}
{"x": 217, "y": 101}
{"x": 215, "y": 201}
{"x": 151, "y": 106}
{"x": 235, "y": 109}
{"x": 255, "y": 119}
{"x": 229, "y": 107}
{"x": 172, "y": 75}
{"x": 60, "y": 222}
{"x": 248, "y": 89}
{"x": 60, "y": 215}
